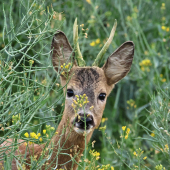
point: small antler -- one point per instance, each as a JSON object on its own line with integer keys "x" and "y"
{"x": 106, "y": 46}
{"x": 79, "y": 56}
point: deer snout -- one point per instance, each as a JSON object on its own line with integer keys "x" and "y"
{"x": 84, "y": 121}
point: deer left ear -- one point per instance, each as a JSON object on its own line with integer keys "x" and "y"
{"x": 61, "y": 50}
{"x": 119, "y": 63}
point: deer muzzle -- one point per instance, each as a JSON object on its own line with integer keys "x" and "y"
{"x": 83, "y": 122}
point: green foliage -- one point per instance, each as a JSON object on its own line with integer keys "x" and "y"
{"x": 31, "y": 97}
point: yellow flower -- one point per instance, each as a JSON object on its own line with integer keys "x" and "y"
{"x": 98, "y": 41}
{"x": 145, "y": 62}
{"x": 26, "y": 135}
{"x": 127, "y": 131}
{"x": 123, "y": 128}
{"x": 63, "y": 73}
{"x": 52, "y": 128}
{"x": 126, "y": 136}
{"x": 82, "y": 25}
{"x": 167, "y": 29}
{"x": 88, "y": 1}
{"x": 146, "y": 53}
{"x": 31, "y": 62}
{"x": 92, "y": 44}
{"x": 30, "y": 143}
{"x": 75, "y": 102}
{"x": 166, "y": 147}
{"x": 129, "y": 18}
{"x": 159, "y": 167}
{"x": 163, "y": 80}
{"x": 77, "y": 96}
{"x": 134, "y": 153}
{"x": 104, "y": 119}
{"x": 152, "y": 134}
{"x": 102, "y": 128}
{"x": 39, "y": 134}
{"x": 143, "y": 68}
{"x": 163, "y": 6}
{"x": 95, "y": 154}
{"x": 161, "y": 75}
{"x": 135, "y": 9}
{"x": 40, "y": 139}
{"x": 112, "y": 168}
{"x": 91, "y": 107}
{"x": 44, "y": 131}
{"x": 33, "y": 135}
{"x": 144, "y": 157}
{"x": 163, "y": 27}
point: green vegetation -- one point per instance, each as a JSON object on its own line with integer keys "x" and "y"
{"x": 134, "y": 132}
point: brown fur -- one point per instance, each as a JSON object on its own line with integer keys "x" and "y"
{"x": 83, "y": 80}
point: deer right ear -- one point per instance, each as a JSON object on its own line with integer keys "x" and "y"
{"x": 61, "y": 50}
{"x": 119, "y": 63}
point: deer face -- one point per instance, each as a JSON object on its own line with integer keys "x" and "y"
{"x": 94, "y": 83}
{"x": 90, "y": 82}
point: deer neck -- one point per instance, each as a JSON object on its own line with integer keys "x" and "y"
{"x": 70, "y": 142}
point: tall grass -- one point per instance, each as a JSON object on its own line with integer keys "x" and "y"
{"x": 31, "y": 96}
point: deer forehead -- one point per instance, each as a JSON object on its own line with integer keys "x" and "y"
{"x": 88, "y": 80}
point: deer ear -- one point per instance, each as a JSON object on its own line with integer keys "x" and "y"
{"x": 61, "y": 50}
{"x": 118, "y": 64}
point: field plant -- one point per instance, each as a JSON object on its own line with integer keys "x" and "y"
{"x": 134, "y": 132}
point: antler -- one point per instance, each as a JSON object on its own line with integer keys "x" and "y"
{"x": 79, "y": 56}
{"x": 106, "y": 46}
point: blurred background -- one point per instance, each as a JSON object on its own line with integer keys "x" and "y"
{"x": 134, "y": 132}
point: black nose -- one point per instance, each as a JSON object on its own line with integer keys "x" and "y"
{"x": 84, "y": 121}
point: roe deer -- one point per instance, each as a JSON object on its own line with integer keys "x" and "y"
{"x": 91, "y": 83}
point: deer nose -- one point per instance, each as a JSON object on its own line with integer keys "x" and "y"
{"x": 84, "y": 121}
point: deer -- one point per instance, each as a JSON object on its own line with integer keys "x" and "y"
{"x": 88, "y": 82}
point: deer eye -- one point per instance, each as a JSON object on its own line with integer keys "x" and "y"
{"x": 102, "y": 96}
{"x": 70, "y": 93}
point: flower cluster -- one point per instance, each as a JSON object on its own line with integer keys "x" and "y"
{"x": 159, "y": 167}
{"x": 31, "y": 62}
{"x": 131, "y": 103}
{"x": 166, "y": 148}
{"x": 153, "y": 134}
{"x": 145, "y": 64}
{"x": 162, "y": 79}
{"x": 15, "y": 118}
{"x": 33, "y": 135}
{"x": 127, "y": 131}
{"x": 37, "y": 136}
{"x": 102, "y": 128}
{"x": 65, "y": 69}
{"x": 94, "y": 154}
{"x": 164, "y": 28}
{"x": 163, "y": 6}
{"x": 105, "y": 167}
{"x": 94, "y": 43}
{"x": 82, "y": 25}
{"x": 104, "y": 119}
{"x": 138, "y": 153}
{"x": 48, "y": 130}
{"x": 88, "y": 1}
{"x": 80, "y": 102}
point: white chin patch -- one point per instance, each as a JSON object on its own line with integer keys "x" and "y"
{"x": 82, "y": 131}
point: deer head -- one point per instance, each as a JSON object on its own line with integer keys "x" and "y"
{"x": 93, "y": 82}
